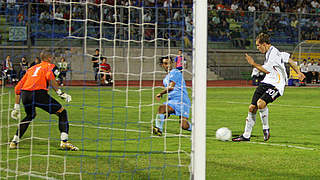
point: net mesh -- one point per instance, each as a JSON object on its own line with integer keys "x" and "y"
{"x": 110, "y": 124}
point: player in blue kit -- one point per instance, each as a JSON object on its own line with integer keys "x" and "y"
{"x": 178, "y": 102}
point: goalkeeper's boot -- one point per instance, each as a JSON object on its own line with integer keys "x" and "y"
{"x": 68, "y": 146}
{"x": 240, "y": 138}
{"x": 157, "y": 131}
{"x": 266, "y": 134}
{"x": 13, "y": 145}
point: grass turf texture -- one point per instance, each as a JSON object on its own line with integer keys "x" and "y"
{"x": 109, "y": 152}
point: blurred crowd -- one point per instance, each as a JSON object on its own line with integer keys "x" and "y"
{"x": 11, "y": 72}
{"x": 288, "y": 21}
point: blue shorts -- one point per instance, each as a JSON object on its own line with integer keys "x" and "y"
{"x": 180, "y": 108}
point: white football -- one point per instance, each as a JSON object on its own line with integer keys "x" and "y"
{"x": 223, "y": 134}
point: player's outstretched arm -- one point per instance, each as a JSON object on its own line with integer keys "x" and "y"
{"x": 296, "y": 68}
{"x": 166, "y": 90}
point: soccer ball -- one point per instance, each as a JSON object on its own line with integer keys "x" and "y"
{"x": 223, "y": 134}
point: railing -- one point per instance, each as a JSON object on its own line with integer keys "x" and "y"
{"x": 232, "y": 29}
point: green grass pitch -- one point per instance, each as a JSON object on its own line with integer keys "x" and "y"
{"x": 115, "y": 140}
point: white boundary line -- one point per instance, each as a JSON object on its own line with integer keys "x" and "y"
{"x": 26, "y": 173}
{"x": 274, "y": 144}
{"x": 284, "y": 145}
{"x": 234, "y": 102}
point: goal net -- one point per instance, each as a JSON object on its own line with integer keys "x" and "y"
{"x": 111, "y": 118}
{"x": 308, "y": 50}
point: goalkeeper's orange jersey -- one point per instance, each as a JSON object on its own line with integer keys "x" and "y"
{"x": 36, "y": 78}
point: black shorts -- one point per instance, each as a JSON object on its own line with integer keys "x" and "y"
{"x": 266, "y": 92}
{"x": 41, "y": 99}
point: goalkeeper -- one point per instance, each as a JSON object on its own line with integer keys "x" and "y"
{"x": 33, "y": 89}
{"x": 178, "y": 100}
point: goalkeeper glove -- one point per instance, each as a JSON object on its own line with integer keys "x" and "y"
{"x": 15, "y": 113}
{"x": 63, "y": 95}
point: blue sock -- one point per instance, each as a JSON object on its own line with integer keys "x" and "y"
{"x": 160, "y": 124}
{"x": 190, "y": 126}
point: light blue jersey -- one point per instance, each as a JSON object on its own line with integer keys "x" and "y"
{"x": 178, "y": 98}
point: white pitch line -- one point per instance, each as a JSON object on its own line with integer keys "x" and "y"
{"x": 313, "y": 107}
{"x": 273, "y": 144}
{"x": 284, "y": 145}
{"x": 27, "y": 173}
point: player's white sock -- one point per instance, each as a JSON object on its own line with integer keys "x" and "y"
{"x": 16, "y": 138}
{"x": 250, "y": 121}
{"x": 264, "y": 115}
{"x": 160, "y": 120}
{"x": 64, "y": 137}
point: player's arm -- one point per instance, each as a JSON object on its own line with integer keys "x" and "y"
{"x": 254, "y": 64}
{"x": 296, "y": 68}
{"x": 15, "y": 113}
{"x": 60, "y": 93}
{"x": 51, "y": 77}
{"x": 166, "y": 90}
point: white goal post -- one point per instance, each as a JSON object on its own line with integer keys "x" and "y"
{"x": 199, "y": 84}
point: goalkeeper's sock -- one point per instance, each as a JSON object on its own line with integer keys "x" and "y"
{"x": 64, "y": 137}
{"x": 264, "y": 116}
{"x": 16, "y": 139}
{"x": 63, "y": 121}
{"x": 250, "y": 121}
{"x": 160, "y": 124}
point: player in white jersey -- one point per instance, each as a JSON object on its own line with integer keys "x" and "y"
{"x": 271, "y": 87}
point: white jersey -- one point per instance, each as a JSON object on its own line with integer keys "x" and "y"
{"x": 274, "y": 64}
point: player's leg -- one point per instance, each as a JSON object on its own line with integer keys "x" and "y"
{"x": 183, "y": 110}
{"x": 109, "y": 78}
{"x": 269, "y": 96}
{"x": 250, "y": 121}
{"x": 50, "y": 105}
{"x": 164, "y": 111}
{"x": 105, "y": 79}
{"x": 27, "y": 100}
{"x": 185, "y": 124}
{"x": 251, "y": 117}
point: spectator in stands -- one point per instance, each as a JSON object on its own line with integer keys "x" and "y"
{"x": 251, "y": 7}
{"x": 312, "y": 68}
{"x": 276, "y": 7}
{"x": 9, "y": 70}
{"x": 44, "y": 17}
{"x": 95, "y": 64}
{"x": 180, "y": 61}
{"x": 24, "y": 65}
{"x": 36, "y": 61}
{"x": 235, "y": 5}
{"x": 304, "y": 70}
{"x": 21, "y": 17}
{"x": 63, "y": 67}
{"x": 318, "y": 71}
{"x": 105, "y": 70}
{"x": 236, "y": 39}
{"x": 147, "y": 17}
